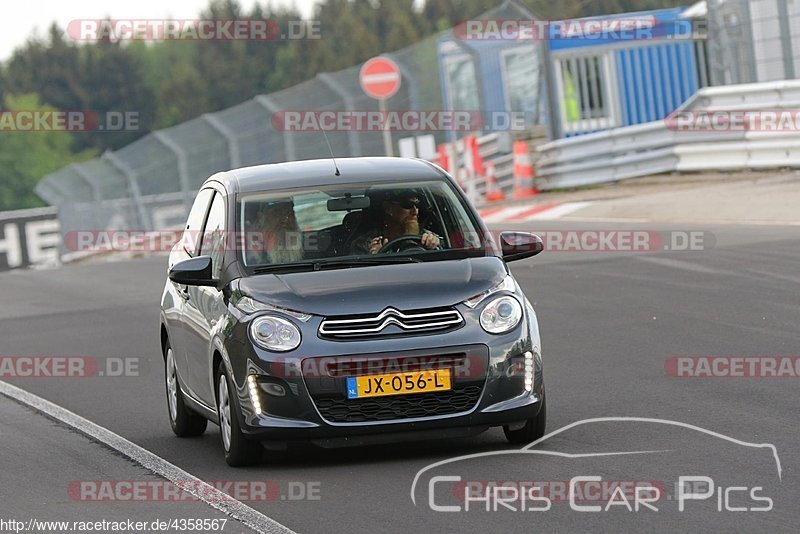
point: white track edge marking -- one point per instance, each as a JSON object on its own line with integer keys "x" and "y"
{"x": 201, "y": 490}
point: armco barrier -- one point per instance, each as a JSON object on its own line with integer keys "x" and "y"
{"x": 653, "y": 148}
{"x": 785, "y": 93}
{"x": 495, "y": 148}
{"x": 29, "y": 238}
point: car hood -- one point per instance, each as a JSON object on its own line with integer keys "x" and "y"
{"x": 371, "y": 289}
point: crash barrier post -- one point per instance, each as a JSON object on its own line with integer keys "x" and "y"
{"x": 475, "y": 154}
{"x": 444, "y": 157}
{"x": 453, "y": 158}
{"x": 469, "y": 184}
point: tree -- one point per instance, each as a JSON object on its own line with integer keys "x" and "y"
{"x": 182, "y": 97}
{"x": 2, "y": 88}
{"x": 398, "y": 24}
{"x": 112, "y": 80}
{"x": 51, "y": 68}
{"x": 221, "y": 64}
{"x": 98, "y": 77}
{"x": 26, "y": 157}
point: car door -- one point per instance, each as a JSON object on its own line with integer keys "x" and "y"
{"x": 178, "y": 293}
{"x": 205, "y": 308}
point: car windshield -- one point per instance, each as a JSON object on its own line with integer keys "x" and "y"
{"x": 357, "y": 224}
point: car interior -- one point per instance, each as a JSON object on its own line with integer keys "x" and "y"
{"x": 336, "y": 240}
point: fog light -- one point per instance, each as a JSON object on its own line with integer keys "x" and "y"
{"x": 529, "y": 371}
{"x": 252, "y": 386}
{"x": 276, "y": 390}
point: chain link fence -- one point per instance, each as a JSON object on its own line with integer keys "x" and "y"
{"x": 149, "y": 184}
{"x": 753, "y": 40}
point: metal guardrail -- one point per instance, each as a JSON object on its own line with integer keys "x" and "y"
{"x": 653, "y": 148}
{"x": 495, "y": 148}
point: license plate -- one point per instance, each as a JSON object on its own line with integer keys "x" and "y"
{"x": 359, "y": 387}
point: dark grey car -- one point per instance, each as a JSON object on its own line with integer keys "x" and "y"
{"x": 279, "y": 323}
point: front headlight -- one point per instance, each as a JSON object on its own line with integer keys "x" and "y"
{"x": 249, "y": 306}
{"x": 275, "y": 333}
{"x": 507, "y": 284}
{"x": 501, "y": 315}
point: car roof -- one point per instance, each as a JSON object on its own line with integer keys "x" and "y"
{"x": 319, "y": 172}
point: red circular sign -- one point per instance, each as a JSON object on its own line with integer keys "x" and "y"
{"x": 380, "y": 77}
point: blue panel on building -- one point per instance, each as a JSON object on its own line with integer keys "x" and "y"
{"x": 608, "y": 73}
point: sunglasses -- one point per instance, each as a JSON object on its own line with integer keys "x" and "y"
{"x": 408, "y": 203}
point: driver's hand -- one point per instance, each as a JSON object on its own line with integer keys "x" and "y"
{"x": 376, "y": 244}
{"x": 430, "y": 241}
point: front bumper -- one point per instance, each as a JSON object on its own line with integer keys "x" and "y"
{"x": 354, "y": 434}
{"x": 296, "y": 415}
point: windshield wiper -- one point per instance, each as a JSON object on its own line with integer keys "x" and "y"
{"x": 301, "y": 266}
{"x": 378, "y": 260}
{"x": 334, "y": 263}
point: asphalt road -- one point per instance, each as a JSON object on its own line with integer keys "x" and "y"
{"x": 609, "y": 321}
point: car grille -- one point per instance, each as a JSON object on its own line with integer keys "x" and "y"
{"x": 338, "y": 409}
{"x": 390, "y": 322}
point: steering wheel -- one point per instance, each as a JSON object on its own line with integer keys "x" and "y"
{"x": 394, "y": 245}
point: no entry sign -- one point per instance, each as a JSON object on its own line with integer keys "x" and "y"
{"x": 380, "y": 78}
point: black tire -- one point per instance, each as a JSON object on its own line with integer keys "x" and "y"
{"x": 239, "y": 451}
{"x": 184, "y": 422}
{"x": 533, "y": 429}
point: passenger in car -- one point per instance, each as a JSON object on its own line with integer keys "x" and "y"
{"x": 282, "y": 239}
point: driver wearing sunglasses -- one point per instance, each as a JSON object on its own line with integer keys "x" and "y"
{"x": 400, "y": 218}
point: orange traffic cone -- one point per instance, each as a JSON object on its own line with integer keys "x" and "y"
{"x": 493, "y": 191}
{"x": 523, "y": 171}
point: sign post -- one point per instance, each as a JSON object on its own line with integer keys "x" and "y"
{"x": 380, "y": 79}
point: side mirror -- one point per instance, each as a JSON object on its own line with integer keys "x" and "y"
{"x": 193, "y": 272}
{"x": 520, "y": 245}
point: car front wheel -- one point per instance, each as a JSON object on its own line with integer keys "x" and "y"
{"x": 239, "y": 451}
{"x": 533, "y": 429}
{"x": 184, "y": 422}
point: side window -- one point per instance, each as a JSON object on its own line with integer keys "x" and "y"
{"x": 461, "y": 86}
{"x": 585, "y": 85}
{"x": 214, "y": 235}
{"x": 191, "y": 234}
{"x": 520, "y": 70}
